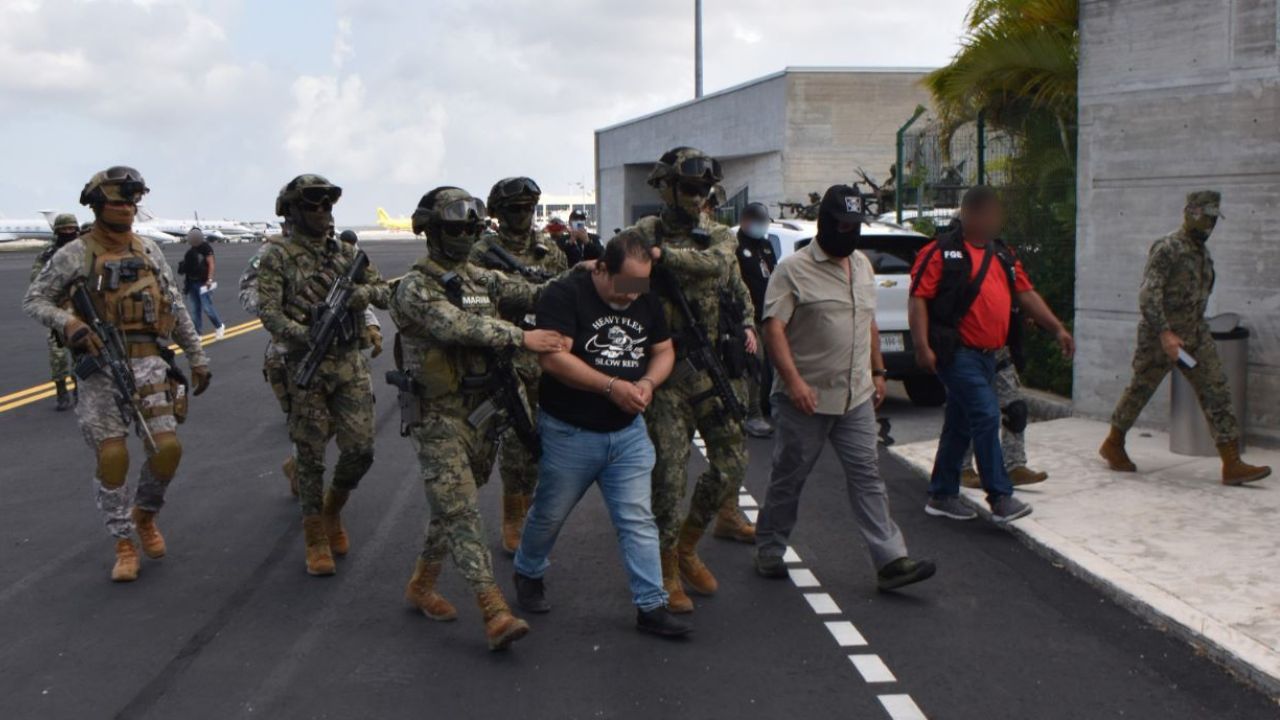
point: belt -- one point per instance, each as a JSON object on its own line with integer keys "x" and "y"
{"x": 980, "y": 351}
{"x": 141, "y": 345}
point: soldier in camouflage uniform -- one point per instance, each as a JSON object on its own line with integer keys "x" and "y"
{"x": 294, "y": 276}
{"x": 701, "y": 255}
{"x": 1013, "y": 438}
{"x": 448, "y": 313}
{"x": 65, "y": 229}
{"x": 1175, "y": 293}
{"x": 132, "y": 289}
{"x": 513, "y": 201}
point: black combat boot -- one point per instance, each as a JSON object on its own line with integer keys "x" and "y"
{"x": 661, "y": 621}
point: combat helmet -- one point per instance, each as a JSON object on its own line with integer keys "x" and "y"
{"x": 308, "y": 187}
{"x": 446, "y": 204}
{"x": 65, "y": 221}
{"x": 118, "y": 182}
{"x": 509, "y": 189}
{"x": 685, "y": 163}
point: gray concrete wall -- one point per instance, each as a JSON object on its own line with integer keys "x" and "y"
{"x": 746, "y": 120}
{"x": 837, "y": 121}
{"x": 1176, "y": 96}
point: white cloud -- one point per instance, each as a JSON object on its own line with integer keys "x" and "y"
{"x": 746, "y": 35}
{"x": 342, "y": 47}
{"x": 337, "y": 127}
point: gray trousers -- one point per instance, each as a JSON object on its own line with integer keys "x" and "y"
{"x": 798, "y": 442}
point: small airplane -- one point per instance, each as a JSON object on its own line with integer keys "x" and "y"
{"x": 389, "y": 223}
{"x": 28, "y": 228}
{"x": 179, "y": 228}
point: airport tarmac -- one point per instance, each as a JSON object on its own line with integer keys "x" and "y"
{"x": 229, "y": 625}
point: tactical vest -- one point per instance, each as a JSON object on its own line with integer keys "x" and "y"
{"x": 705, "y": 305}
{"x": 125, "y": 285}
{"x": 301, "y": 300}
{"x": 446, "y": 370}
{"x": 957, "y": 291}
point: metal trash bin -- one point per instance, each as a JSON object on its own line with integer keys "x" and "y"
{"x": 1189, "y": 431}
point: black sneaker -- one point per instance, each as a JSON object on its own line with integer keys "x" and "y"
{"x": 661, "y": 621}
{"x": 531, "y": 595}
{"x": 771, "y": 566}
{"x": 904, "y": 571}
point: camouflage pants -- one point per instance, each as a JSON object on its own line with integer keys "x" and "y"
{"x": 338, "y": 404}
{"x": 672, "y": 419}
{"x": 276, "y": 372}
{"x": 454, "y": 461}
{"x": 59, "y": 360}
{"x": 1150, "y": 365}
{"x": 516, "y": 465}
{"x": 100, "y": 420}
{"x": 1008, "y": 392}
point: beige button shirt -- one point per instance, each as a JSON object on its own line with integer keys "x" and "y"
{"x": 828, "y": 324}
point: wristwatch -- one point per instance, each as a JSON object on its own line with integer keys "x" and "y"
{"x": 879, "y": 372}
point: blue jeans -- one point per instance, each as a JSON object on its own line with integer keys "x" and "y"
{"x": 621, "y": 463}
{"x": 972, "y": 415}
{"x": 198, "y": 302}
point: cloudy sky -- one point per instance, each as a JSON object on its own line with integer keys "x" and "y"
{"x": 219, "y": 102}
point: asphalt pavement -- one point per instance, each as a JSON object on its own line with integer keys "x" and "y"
{"x": 228, "y": 625}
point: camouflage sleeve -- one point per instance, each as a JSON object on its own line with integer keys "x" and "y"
{"x": 249, "y": 282}
{"x": 433, "y": 316}
{"x": 1154, "y": 279}
{"x": 42, "y": 258}
{"x": 555, "y": 261}
{"x": 512, "y": 293}
{"x": 184, "y": 331}
{"x": 271, "y": 301}
{"x": 379, "y": 290}
{"x": 48, "y": 291}
{"x": 697, "y": 262}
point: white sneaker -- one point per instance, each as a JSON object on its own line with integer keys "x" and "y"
{"x": 222, "y": 330}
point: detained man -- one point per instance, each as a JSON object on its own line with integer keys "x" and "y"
{"x": 833, "y": 381}
{"x": 591, "y": 404}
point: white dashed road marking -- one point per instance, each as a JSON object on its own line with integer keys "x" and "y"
{"x": 901, "y": 707}
{"x": 869, "y": 666}
{"x": 872, "y": 668}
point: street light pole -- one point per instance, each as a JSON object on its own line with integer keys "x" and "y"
{"x": 697, "y": 48}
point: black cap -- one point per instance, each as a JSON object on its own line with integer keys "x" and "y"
{"x": 756, "y": 210}
{"x": 843, "y": 203}
{"x": 577, "y": 215}
{"x": 348, "y": 237}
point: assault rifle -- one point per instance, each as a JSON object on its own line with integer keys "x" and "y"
{"x": 505, "y": 396}
{"x": 697, "y": 347}
{"x": 498, "y": 258}
{"x": 113, "y": 359}
{"x": 407, "y": 399}
{"x": 330, "y": 320}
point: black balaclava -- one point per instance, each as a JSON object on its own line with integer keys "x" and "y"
{"x": 841, "y": 205}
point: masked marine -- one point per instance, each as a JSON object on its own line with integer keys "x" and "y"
{"x": 65, "y": 229}
{"x": 126, "y": 373}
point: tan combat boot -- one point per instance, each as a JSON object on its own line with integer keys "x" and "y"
{"x": 692, "y": 570}
{"x": 1112, "y": 451}
{"x": 290, "y": 468}
{"x": 514, "y": 508}
{"x": 331, "y": 512}
{"x": 969, "y": 478}
{"x": 1236, "y": 471}
{"x": 677, "y": 600}
{"x": 319, "y": 556}
{"x": 144, "y": 521}
{"x": 731, "y": 524}
{"x": 1023, "y": 475}
{"x": 501, "y": 628}
{"x": 126, "y": 568}
{"x": 421, "y": 592}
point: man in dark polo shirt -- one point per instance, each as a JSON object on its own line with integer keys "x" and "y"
{"x": 591, "y": 403}
{"x": 963, "y": 288}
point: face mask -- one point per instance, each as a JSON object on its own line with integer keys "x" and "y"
{"x": 118, "y": 218}
{"x": 1199, "y": 225}
{"x": 517, "y": 218}
{"x": 456, "y": 247}
{"x": 64, "y": 238}
{"x": 617, "y": 307}
{"x": 686, "y": 207}
{"x": 313, "y": 221}
{"x": 755, "y": 230}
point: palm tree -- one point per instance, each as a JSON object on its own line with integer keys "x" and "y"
{"x": 1017, "y": 65}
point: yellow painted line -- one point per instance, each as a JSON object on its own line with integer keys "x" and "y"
{"x": 15, "y": 400}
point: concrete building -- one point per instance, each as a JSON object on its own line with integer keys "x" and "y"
{"x": 778, "y": 138}
{"x": 1176, "y": 96}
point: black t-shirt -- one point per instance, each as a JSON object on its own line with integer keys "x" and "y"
{"x": 195, "y": 265}
{"x": 757, "y": 262}
{"x": 615, "y": 342}
{"x": 576, "y": 252}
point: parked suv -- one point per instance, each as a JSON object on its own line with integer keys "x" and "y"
{"x": 892, "y": 250}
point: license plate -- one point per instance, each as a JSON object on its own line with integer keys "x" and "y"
{"x": 892, "y": 342}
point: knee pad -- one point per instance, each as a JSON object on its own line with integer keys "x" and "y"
{"x": 1015, "y": 416}
{"x": 164, "y": 463}
{"x": 113, "y": 462}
